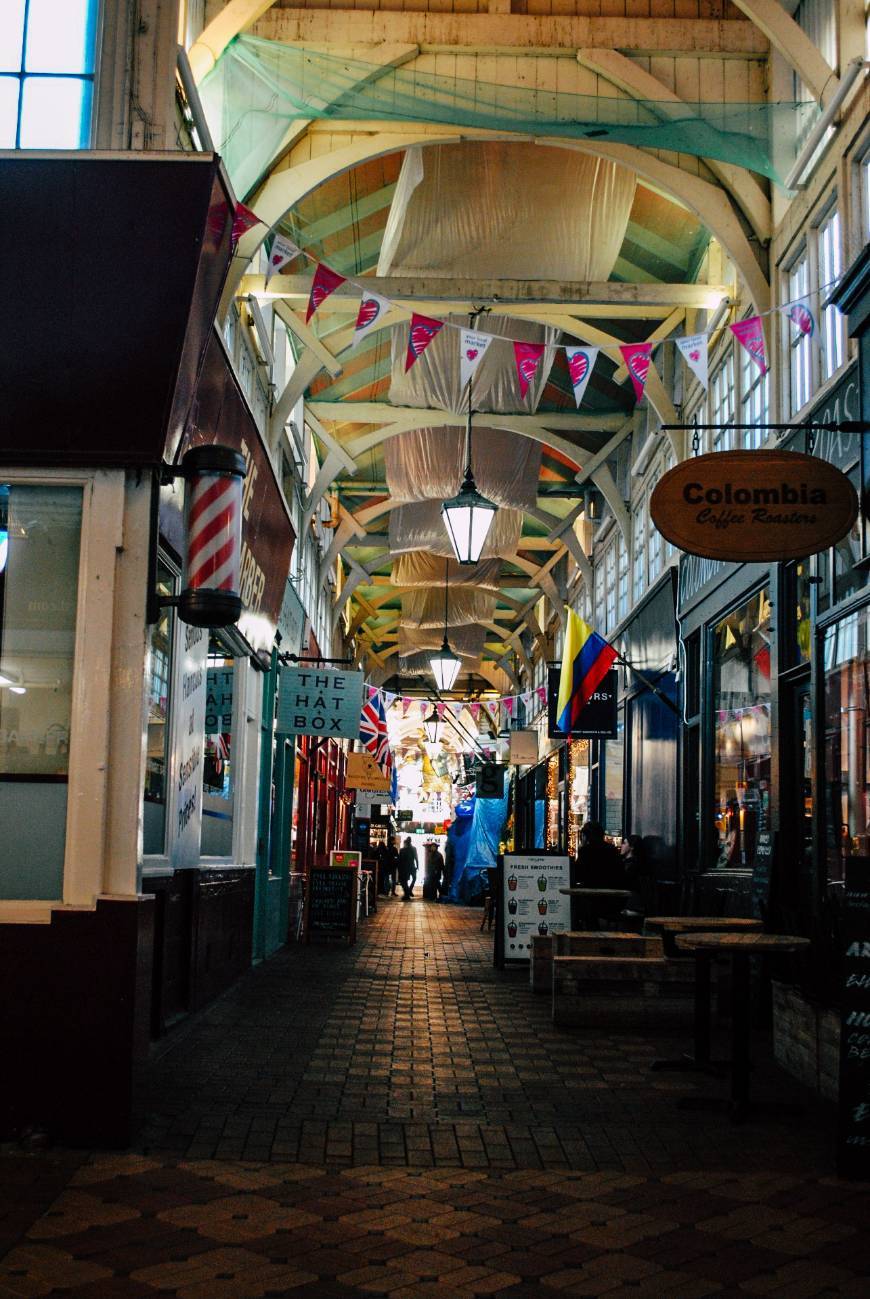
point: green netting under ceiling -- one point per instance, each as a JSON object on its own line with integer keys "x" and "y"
{"x": 258, "y": 87}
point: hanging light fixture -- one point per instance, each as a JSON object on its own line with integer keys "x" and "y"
{"x": 468, "y": 517}
{"x": 432, "y": 726}
{"x": 444, "y": 663}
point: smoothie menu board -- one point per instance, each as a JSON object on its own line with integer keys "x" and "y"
{"x": 853, "y": 1146}
{"x": 530, "y": 903}
{"x": 331, "y": 903}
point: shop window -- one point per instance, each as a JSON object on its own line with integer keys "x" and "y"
{"x": 832, "y": 326}
{"x": 578, "y": 796}
{"x": 158, "y": 678}
{"x": 693, "y": 674}
{"x": 864, "y": 193}
{"x": 741, "y": 704}
{"x": 847, "y": 741}
{"x": 799, "y": 343}
{"x": 46, "y": 73}
{"x": 638, "y": 535}
{"x": 846, "y": 554}
{"x": 722, "y": 404}
{"x": 40, "y": 535}
{"x": 798, "y": 630}
{"x": 217, "y": 770}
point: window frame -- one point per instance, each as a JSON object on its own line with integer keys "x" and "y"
{"x": 21, "y": 75}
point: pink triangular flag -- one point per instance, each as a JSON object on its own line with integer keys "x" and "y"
{"x": 492, "y": 709}
{"x": 243, "y": 221}
{"x": 325, "y": 282}
{"x": 541, "y": 692}
{"x": 406, "y": 704}
{"x": 372, "y": 309}
{"x": 508, "y": 706}
{"x": 439, "y": 708}
{"x": 474, "y": 709}
{"x": 282, "y": 251}
{"x": 373, "y": 690}
{"x": 423, "y": 330}
{"x": 750, "y": 334}
{"x": 637, "y": 360}
{"x": 800, "y": 314}
{"x": 694, "y": 353}
{"x": 580, "y": 364}
{"x": 528, "y": 358}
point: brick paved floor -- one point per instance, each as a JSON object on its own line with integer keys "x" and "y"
{"x": 400, "y": 1119}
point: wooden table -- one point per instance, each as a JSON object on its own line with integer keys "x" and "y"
{"x": 739, "y": 947}
{"x": 669, "y": 926}
{"x": 587, "y": 899}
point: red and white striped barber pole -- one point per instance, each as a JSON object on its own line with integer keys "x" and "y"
{"x": 214, "y": 477}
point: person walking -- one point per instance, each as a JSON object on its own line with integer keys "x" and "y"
{"x": 408, "y": 866}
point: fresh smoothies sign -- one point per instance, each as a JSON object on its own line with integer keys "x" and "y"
{"x": 531, "y": 904}
{"x": 754, "y": 506}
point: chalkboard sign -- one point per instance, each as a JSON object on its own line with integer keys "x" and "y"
{"x": 762, "y": 874}
{"x": 331, "y": 903}
{"x": 853, "y": 1145}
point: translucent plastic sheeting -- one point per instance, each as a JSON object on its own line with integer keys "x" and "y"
{"x": 465, "y": 641}
{"x": 419, "y": 526}
{"x": 487, "y": 827}
{"x": 258, "y": 87}
{"x": 430, "y": 463}
{"x": 474, "y": 210}
{"x": 419, "y": 568}
{"x": 433, "y": 379}
{"x": 465, "y": 604}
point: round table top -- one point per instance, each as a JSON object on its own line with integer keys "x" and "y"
{"x": 749, "y": 943}
{"x": 578, "y": 892}
{"x": 709, "y": 924}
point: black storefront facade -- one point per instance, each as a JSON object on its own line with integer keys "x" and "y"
{"x": 775, "y": 763}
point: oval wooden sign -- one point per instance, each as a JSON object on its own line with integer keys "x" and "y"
{"x": 750, "y": 506}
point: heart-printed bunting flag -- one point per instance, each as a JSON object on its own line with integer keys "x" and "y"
{"x": 372, "y": 310}
{"x": 492, "y": 709}
{"x": 439, "y": 708}
{"x": 509, "y": 705}
{"x": 800, "y": 314}
{"x": 325, "y": 282}
{"x": 528, "y": 358}
{"x": 527, "y": 699}
{"x": 637, "y": 360}
{"x": 694, "y": 351}
{"x": 283, "y": 250}
{"x": 389, "y": 699}
{"x": 243, "y": 221}
{"x": 423, "y": 330}
{"x": 474, "y": 709}
{"x": 406, "y": 704}
{"x": 750, "y": 334}
{"x": 472, "y": 348}
{"x": 581, "y": 361}
{"x": 541, "y": 692}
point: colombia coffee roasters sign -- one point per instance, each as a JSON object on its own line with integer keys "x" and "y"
{"x": 750, "y": 506}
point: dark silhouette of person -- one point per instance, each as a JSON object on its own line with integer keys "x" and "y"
{"x": 408, "y": 865}
{"x": 599, "y": 864}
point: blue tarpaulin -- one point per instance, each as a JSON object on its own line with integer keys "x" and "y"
{"x": 487, "y": 824}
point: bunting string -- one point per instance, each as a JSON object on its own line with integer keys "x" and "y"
{"x": 635, "y": 357}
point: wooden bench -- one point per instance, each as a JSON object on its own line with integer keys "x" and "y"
{"x": 583, "y": 943}
{"x": 622, "y": 992}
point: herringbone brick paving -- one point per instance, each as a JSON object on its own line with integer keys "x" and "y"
{"x": 401, "y": 1119}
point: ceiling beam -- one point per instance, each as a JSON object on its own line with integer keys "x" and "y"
{"x": 459, "y": 296}
{"x": 381, "y": 412}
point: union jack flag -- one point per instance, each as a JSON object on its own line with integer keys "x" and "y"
{"x": 373, "y": 732}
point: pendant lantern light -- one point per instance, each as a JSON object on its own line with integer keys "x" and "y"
{"x": 444, "y": 663}
{"x": 468, "y": 517}
{"x": 432, "y": 726}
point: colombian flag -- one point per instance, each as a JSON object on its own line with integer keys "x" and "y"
{"x": 585, "y": 662}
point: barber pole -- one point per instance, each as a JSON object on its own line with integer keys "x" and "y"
{"x": 214, "y": 477}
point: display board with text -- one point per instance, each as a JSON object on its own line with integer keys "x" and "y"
{"x": 331, "y": 903}
{"x": 853, "y": 1144}
{"x": 529, "y": 904}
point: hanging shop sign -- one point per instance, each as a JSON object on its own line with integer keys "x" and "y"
{"x": 596, "y": 720}
{"x": 529, "y": 903}
{"x": 523, "y": 748}
{"x": 853, "y": 1144}
{"x": 331, "y": 903}
{"x": 320, "y": 701}
{"x": 759, "y": 506}
{"x": 345, "y": 857}
{"x": 189, "y": 692}
{"x": 490, "y": 780}
{"x": 364, "y": 775}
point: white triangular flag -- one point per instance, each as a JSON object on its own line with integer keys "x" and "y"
{"x": 283, "y": 250}
{"x": 372, "y": 310}
{"x": 472, "y": 347}
{"x": 694, "y": 350}
{"x": 581, "y": 362}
